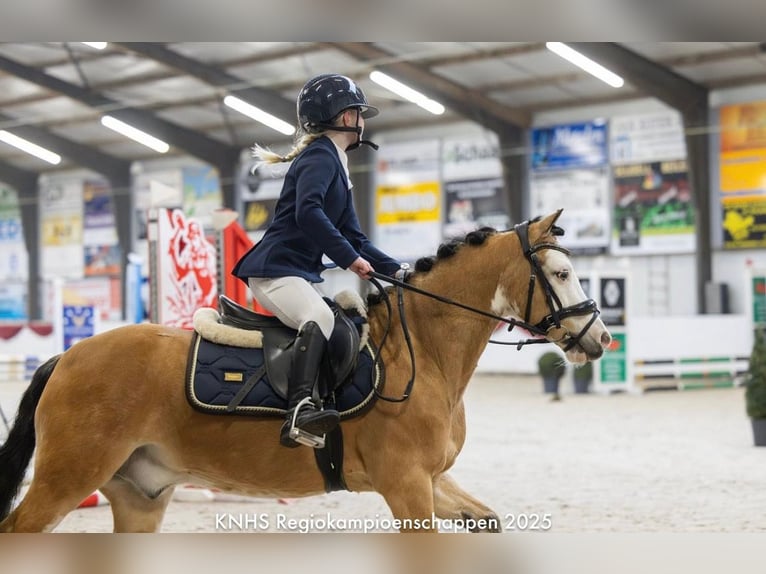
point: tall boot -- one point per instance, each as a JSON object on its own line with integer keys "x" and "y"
{"x": 310, "y": 423}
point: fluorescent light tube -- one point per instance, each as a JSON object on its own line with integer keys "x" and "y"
{"x": 96, "y": 45}
{"x": 30, "y": 148}
{"x": 259, "y": 115}
{"x": 134, "y": 134}
{"x": 582, "y": 61}
{"x": 406, "y": 92}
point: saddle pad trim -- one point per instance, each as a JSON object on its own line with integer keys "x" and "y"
{"x": 270, "y": 411}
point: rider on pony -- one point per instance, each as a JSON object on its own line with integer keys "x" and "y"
{"x": 314, "y": 216}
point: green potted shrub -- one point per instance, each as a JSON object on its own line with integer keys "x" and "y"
{"x": 755, "y": 390}
{"x": 583, "y": 375}
{"x": 551, "y": 367}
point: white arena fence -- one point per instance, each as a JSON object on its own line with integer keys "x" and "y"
{"x": 18, "y": 368}
{"x": 700, "y": 351}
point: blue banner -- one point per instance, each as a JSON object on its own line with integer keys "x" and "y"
{"x": 569, "y": 146}
{"x": 79, "y": 323}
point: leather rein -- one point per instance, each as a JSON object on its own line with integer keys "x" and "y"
{"x": 543, "y": 328}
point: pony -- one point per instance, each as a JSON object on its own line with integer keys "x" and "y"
{"x": 110, "y": 413}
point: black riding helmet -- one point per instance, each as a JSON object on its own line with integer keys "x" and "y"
{"x": 327, "y": 95}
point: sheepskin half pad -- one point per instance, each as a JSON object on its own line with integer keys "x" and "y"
{"x": 207, "y": 325}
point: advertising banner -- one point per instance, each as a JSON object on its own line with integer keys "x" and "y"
{"x": 103, "y": 293}
{"x": 13, "y": 250}
{"x": 79, "y": 323}
{"x": 584, "y": 195}
{"x": 102, "y": 251}
{"x": 186, "y": 269}
{"x": 644, "y": 138}
{"x": 13, "y": 301}
{"x": 653, "y": 210}
{"x": 201, "y": 193}
{"x": 569, "y": 146}
{"x": 408, "y": 200}
{"x": 743, "y": 175}
{"x": 61, "y": 226}
{"x": 473, "y": 186}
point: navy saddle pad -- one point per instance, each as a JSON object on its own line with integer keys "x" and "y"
{"x": 216, "y": 373}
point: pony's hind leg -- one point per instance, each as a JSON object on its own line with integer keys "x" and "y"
{"x": 451, "y": 501}
{"x": 59, "y": 485}
{"x": 44, "y": 506}
{"x": 132, "y": 509}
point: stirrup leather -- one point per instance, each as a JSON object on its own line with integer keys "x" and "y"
{"x": 301, "y": 436}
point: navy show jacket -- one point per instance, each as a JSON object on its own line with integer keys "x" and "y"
{"x": 314, "y": 215}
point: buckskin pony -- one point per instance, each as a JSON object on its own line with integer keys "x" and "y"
{"x": 110, "y": 413}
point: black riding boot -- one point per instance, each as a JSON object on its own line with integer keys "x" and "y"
{"x": 310, "y": 347}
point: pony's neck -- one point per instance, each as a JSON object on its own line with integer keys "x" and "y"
{"x": 446, "y": 337}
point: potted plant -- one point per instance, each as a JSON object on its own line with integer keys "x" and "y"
{"x": 583, "y": 375}
{"x": 552, "y": 367}
{"x": 755, "y": 390}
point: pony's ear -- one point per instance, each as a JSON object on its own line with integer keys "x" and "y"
{"x": 545, "y": 225}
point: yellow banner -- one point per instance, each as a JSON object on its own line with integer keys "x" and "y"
{"x": 743, "y": 170}
{"x": 405, "y": 203}
{"x": 743, "y": 127}
{"x": 744, "y": 223}
{"x": 62, "y": 230}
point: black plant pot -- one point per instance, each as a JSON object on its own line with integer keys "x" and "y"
{"x": 551, "y": 385}
{"x": 581, "y": 386}
{"x": 759, "y": 431}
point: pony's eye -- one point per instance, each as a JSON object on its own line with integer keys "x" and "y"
{"x": 563, "y": 275}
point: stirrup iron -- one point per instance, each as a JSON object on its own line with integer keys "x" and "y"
{"x": 301, "y": 436}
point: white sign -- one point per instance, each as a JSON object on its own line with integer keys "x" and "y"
{"x": 584, "y": 196}
{"x": 646, "y": 137}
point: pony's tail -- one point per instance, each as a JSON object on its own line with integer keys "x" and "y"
{"x": 17, "y": 450}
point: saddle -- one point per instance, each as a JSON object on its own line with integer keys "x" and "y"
{"x": 342, "y": 349}
{"x": 239, "y": 363}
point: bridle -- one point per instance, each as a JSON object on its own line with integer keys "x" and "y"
{"x": 557, "y": 311}
{"x": 545, "y": 328}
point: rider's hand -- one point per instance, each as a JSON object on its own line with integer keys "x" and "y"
{"x": 361, "y": 267}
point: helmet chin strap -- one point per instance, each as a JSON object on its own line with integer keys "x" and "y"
{"x": 356, "y": 129}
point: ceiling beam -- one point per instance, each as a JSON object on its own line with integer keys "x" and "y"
{"x": 194, "y": 143}
{"x": 736, "y": 81}
{"x": 22, "y": 180}
{"x": 649, "y": 77}
{"x": 702, "y": 58}
{"x": 621, "y": 96}
{"x": 269, "y": 101}
{"x": 501, "y": 52}
{"x": 535, "y": 82}
{"x": 165, "y": 73}
{"x": 81, "y": 154}
{"x": 472, "y": 104}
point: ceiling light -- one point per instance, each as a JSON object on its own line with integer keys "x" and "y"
{"x": 29, "y": 147}
{"x": 259, "y": 115}
{"x": 96, "y": 45}
{"x": 134, "y": 134}
{"x": 406, "y": 92}
{"x": 581, "y": 61}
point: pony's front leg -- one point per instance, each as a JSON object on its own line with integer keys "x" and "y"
{"x": 410, "y": 498}
{"x": 451, "y": 501}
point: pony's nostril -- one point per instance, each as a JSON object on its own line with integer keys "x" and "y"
{"x": 606, "y": 339}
